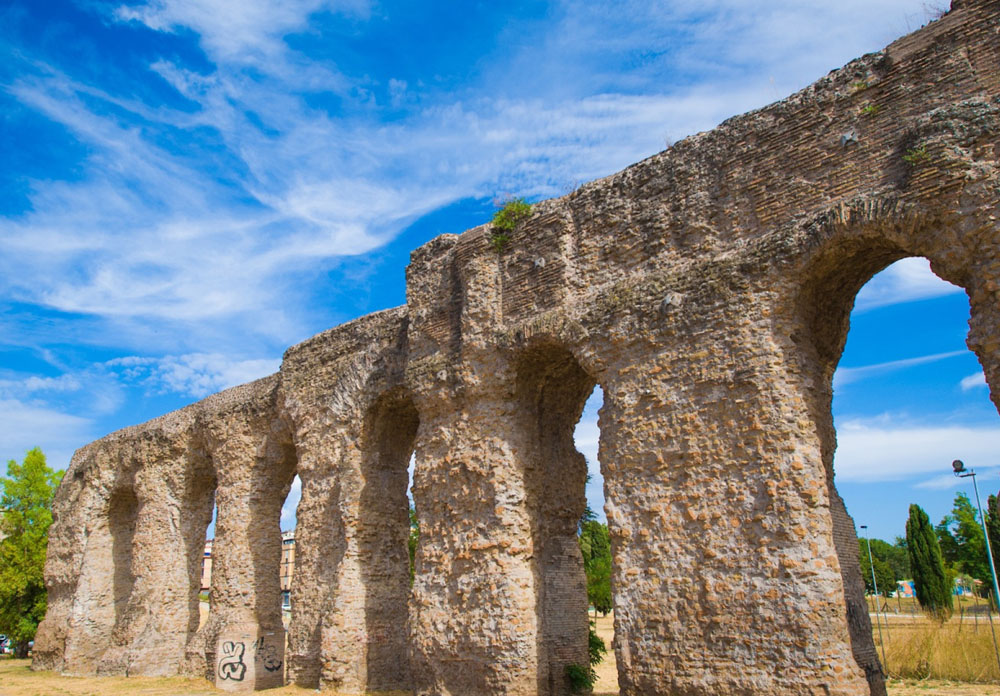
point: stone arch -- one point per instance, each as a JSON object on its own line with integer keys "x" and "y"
{"x": 851, "y": 245}
{"x": 551, "y": 389}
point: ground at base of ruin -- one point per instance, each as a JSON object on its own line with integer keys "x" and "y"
{"x": 17, "y": 679}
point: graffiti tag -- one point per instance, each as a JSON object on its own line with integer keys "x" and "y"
{"x": 231, "y": 665}
{"x": 267, "y": 655}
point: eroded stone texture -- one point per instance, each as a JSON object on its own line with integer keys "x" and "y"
{"x": 707, "y": 290}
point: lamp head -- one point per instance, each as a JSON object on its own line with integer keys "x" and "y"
{"x": 958, "y": 466}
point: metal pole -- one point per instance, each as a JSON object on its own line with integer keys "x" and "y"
{"x": 878, "y": 623}
{"x": 989, "y": 557}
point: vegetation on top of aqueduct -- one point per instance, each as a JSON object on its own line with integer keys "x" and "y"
{"x": 513, "y": 213}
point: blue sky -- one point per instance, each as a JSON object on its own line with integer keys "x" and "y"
{"x": 189, "y": 187}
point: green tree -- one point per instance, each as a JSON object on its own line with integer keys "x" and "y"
{"x": 929, "y": 579}
{"x": 961, "y": 539}
{"x": 25, "y": 516}
{"x": 993, "y": 527}
{"x": 412, "y": 542}
{"x": 595, "y": 547}
{"x": 894, "y": 555}
{"x": 884, "y": 573}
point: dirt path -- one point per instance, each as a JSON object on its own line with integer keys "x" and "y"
{"x": 17, "y": 679}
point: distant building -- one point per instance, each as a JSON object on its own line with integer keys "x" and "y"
{"x": 286, "y": 571}
{"x": 206, "y": 567}
{"x": 287, "y": 567}
{"x": 904, "y": 588}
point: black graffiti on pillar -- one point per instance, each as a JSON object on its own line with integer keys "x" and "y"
{"x": 231, "y": 665}
{"x": 267, "y": 655}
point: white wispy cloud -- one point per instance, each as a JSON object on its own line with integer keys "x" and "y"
{"x": 889, "y": 450}
{"x": 904, "y": 281}
{"x": 243, "y": 31}
{"x": 196, "y": 374}
{"x": 153, "y": 232}
{"x": 846, "y": 375}
{"x": 27, "y": 425}
{"x": 973, "y": 381}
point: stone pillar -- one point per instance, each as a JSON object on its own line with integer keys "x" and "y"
{"x": 89, "y": 556}
{"x": 726, "y": 578}
{"x": 244, "y": 637}
{"x": 319, "y": 547}
{"x": 382, "y": 543}
{"x": 349, "y": 631}
{"x": 474, "y": 620}
{"x": 328, "y": 631}
{"x": 173, "y": 488}
{"x": 353, "y": 431}
{"x": 984, "y": 306}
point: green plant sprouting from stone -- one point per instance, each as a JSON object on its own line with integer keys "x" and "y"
{"x": 916, "y": 155}
{"x": 871, "y": 109}
{"x": 513, "y": 213}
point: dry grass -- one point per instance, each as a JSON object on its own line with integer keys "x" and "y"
{"x": 956, "y": 650}
{"x": 17, "y": 679}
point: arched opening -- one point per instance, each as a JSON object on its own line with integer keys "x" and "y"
{"x": 898, "y": 350}
{"x": 205, "y": 591}
{"x": 288, "y": 548}
{"x": 908, "y": 398}
{"x": 122, "y": 512}
{"x": 595, "y": 544}
{"x": 384, "y": 540}
{"x": 199, "y": 494}
{"x": 552, "y": 389}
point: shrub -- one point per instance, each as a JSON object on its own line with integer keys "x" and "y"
{"x": 513, "y": 213}
{"x": 596, "y": 646}
{"x": 581, "y": 678}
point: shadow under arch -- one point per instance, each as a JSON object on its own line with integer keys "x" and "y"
{"x": 833, "y": 278}
{"x": 551, "y": 390}
{"x": 390, "y": 430}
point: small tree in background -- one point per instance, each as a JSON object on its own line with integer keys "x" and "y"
{"x": 595, "y": 546}
{"x": 412, "y": 542}
{"x": 993, "y": 527}
{"x": 929, "y": 580}
{"x": 25, "y": 516}
{"x": 884, "y": 573}
{"x": 960, "y": 537}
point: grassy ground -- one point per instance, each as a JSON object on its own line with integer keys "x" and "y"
{"x": 953, "y": 655}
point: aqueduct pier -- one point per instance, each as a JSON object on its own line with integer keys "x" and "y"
{"x": 706, "y": 289}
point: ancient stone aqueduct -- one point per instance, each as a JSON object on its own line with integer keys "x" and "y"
{"x": 706, "y": 289}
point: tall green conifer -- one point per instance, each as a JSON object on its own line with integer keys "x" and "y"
{"x": 929, "y": 580}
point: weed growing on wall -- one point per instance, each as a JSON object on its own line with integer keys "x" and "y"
{"x": 513, "y": 213}
{"x": 916, "y": 155}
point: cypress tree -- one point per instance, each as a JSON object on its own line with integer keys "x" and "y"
{"x": 929, "y": 579}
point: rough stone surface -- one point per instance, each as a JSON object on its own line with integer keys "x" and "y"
{"x": 707, "y": 290}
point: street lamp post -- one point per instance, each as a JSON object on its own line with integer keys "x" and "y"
{"x": 871, "y": 564}
{"x": 960, "y": 471}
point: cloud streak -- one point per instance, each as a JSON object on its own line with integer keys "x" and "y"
{"x": 906, "y": 280}
{"x": 847, "y": 375}
{"x": 869, "y": 451}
